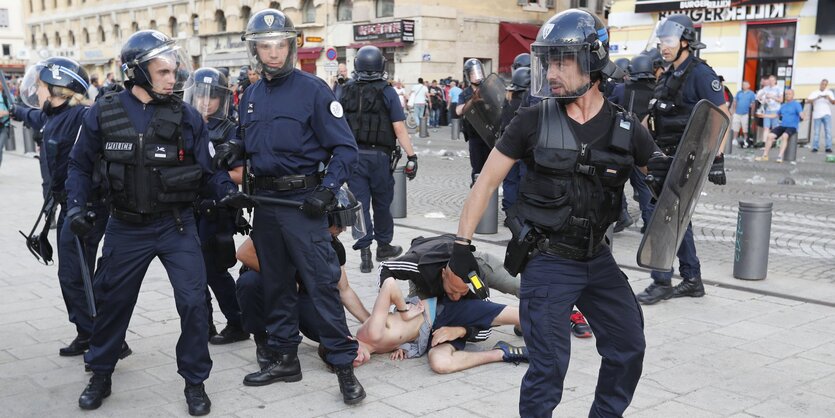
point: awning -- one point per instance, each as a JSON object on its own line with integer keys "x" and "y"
{"x": 310, "y": 53}
{"x": 382, "y": 44}
{"x": 514, "y": 39}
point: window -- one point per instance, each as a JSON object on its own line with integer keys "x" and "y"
{"x": 102, "y": 38}
{"x": 579, "y": 3}
{"x": 245, "y": 13}
{"x": 134, "y": 27}
{"x": 4, "y": 18}
{"x": 308, "y": 12}
{"x": 57, "y": 39}
{"x": 152, "y": 24}
{"x": 195, "y": 24}
{"x": 54, "y": 4}
{"x": 71, "y": 37}
{"x": 344, "y": 10}
{"x": 43, "y": 5}
{"x": 172, "y": 26}
{"x": 86, "y": 35}
{"x": 31, "y": 6}
{"x": 69, "y": 2}
{"x": 7, "y": 50}
{"x": 33, "y": 42}
{"x": 45, "y": 40}
{"x": 117, "y": 33}
{"x": 220, "y": 19}
{"x": 275, "y": 5}
{"x": 385, "y": 8}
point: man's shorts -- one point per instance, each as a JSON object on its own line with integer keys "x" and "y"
{"x": 780, "y": 130}
{"x": 770, "y": 123}
{"x": 739, "y": 122}
{"x": 475, "y": 313}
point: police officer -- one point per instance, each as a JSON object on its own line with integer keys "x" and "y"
{"x": 155, "y": 152}
{"x": 376, "y": 118}
{"x": 687, "y": 80}
{"x": 519, "y": 84}
{"x": 578, "y": 160}
{"x": 210, "y": 94}
{"x": 479, "y": 150}
{"x": 291, "y": 125}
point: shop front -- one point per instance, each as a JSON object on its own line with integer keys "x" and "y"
{"x": 391, "y": 37}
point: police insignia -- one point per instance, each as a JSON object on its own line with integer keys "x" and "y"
{"x": 716, "y": 85}
{"x": 336, "y": 109}
{"x": 269, "y": 19}
{"x": 547, "y": 29}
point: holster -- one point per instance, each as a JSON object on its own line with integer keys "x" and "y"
{"x": 522, "y": 246}
{"x": 396, "y": 155}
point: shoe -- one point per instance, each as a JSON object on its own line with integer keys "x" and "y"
{"x": 655, "y": 293}
{"x": 689, "y": 287}
{"x": 779, "y": 160}
{"x": 95, "y": 392}
{"x": 365, "y": 260}
{"x": 197, "y": 400}
{"x": 814, "y": 150}
{"x": 126, "y": 351}
{"x": 386, "y": 251}
{"x": 76, "y": 348}
{"x": 283, "y": 368}
{"x": 230, "y": 334}
{"x": 829, "y": 150}
{"x": 643, "y": 229}
{"x": 512, "y": 354}
{"x": 623, "y": 223}
{"x": 323, "y": 354}
{"x": 212, "y": 329}
{"x": 761, "y": 158}
{"x": 741, "y": 144}
{"x": 517, "y": 330}
{"x": 579, "y": 327}
{"x": 352, "y": 391}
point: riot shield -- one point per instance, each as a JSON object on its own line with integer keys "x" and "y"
{"x": 485, "y": 114}
{"x": 682, "y": 187}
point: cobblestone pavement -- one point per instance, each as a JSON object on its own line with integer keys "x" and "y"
{"x": 759, "y": 349}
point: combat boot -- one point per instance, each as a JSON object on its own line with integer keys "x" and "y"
{"x": 689, "y": 287}
{"x": 655, "y": 293}
{"x": 197, "y": 400}
{"x": 76, "y": 348}
{"x": 263, "y": 354}
{"x": 230, "y": 334}
{"x": 283, "y": 368}
{"x": 365, "y": 260}
{"x": 352, "y": 391}
{"x": 387, "y": 251}
{"x": 95, "y": 392}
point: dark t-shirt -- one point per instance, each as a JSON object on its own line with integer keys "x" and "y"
{"x": 520, "y": 136}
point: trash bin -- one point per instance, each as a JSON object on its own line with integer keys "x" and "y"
{"x": 424, "y": 127}
{"x": 753, "y": 236}
{"x": 398, "y": 204}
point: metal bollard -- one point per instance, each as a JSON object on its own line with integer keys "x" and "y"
{"x": 791, "y": 149}
{"x": 489, "y": 223}
{"x": 10, "y": 145}
{"x": 729, "y": 146}
{"x": 398, "y": 204}
{"x": 424, "y": 127}
{"x": 753, "y": 235}
{"x": 455, "y": 129}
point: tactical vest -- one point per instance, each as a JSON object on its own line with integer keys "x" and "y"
{"x": 367, "y": 113}
{"x": 150, "y": 172}
{"x": 220, "y": 132}
{"x": 670, "y": 113}
{"x": 572, "y": 193}
{"x": 638, "y": 94}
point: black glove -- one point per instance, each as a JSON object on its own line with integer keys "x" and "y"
{"x": 80, "y": 222}
{"x": 238, "y": 200}
{"x": 411, "y": 167}
{"x": 658, "y": 166}
{"x": 717, "y": 171}
{"x": 226, "y": 154}
{"x": 462, "y": 262}
{"x": 320, "y": 201}
{"x": 206, "y": 206}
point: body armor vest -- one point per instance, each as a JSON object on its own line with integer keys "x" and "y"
{"x": 572, "y": 193}
{"x": 670, "y": 113}
{"x": 148, "y": 172}
{"x": 220, "y": 132}
{"x": 367, "y": 113}
{"x": 637, "y": 95}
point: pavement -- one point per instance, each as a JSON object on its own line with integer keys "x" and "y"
{"x": 747, "y": 349}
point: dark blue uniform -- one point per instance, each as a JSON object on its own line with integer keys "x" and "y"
{"x": 130, "y": 247}
{"x": 373, "y": 184}
{"x": 292, "y": 125}
{"x": 701, "y": 83}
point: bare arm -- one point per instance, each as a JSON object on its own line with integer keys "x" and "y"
{"x": 237, "y": 175}
{"x": 372, "y": 332}
{"x": 403, "y": 137}
{"x": 350, "y": 299}
{"x": 728, "y": 133}
{"x": 494, "y": 171}
{"x": 247, "y": 256}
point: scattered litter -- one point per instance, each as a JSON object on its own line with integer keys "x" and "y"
{"x": 434, "y": 215}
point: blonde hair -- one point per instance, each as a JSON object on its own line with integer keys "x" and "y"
{"x": 72, "y": 97}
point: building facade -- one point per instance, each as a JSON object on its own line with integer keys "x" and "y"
{"x": 12, "y": 47}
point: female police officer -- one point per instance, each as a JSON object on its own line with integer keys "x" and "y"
{"x": 579, "y": 150}
{"x": 290, "y": 126}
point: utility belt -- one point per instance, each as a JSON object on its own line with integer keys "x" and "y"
{"x": 528, "y": 241}
{"x": 567, "y": 251}
{"x": 287, "y": 183}
{"x": 146, "y": 218}
{"x": 367, "y": 149}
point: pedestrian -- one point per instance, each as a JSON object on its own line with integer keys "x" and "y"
{"x": 790, "y": 114}
{"x": 341, "y": 79}
{"x": 687, "y": 81}
{"x": 822, "y": 115}
{"x": 479, "y": 150}
{"x": 769, "y": 96}
{"x": 437, "y": 103}
{"x": 418, "y": 100}
{"x": 377, "y": 122}
{"x": 742, "y": 108}
{"x": 155, "y": 151}
{"x": 573, "y": 149}
{"x": 454, "y": 97}
{"x": 294, "y": 126}
{"x": 5, "y": 121}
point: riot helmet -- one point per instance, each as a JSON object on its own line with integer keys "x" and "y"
{"x": 655, "y": 56}
{"x": 622, "y": 63}
{"x": 521, "y": 60}
{"x": 668, "y": 34}
{"x": 29, "y": 86}
{"x": 153, "y": 61}
{"x": 641, "y": 68}
{"x": 474, "y": 71}
{"x": 521, "y": 79}
{"x": 271, "y": 43}
{"x": 54, "y": 73}
{"x": 347, "y": 213}
{"x": 369, "y": 64}
{"x": 209, "y": 93}
{"x": 570, "y": 53}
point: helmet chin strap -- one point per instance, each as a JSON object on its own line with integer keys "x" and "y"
{"x": 156, "y": 97}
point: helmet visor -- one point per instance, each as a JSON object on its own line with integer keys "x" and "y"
{"x": 349, "y": 218}
{"x": 667, "y": 34}
{"x": 211, "y": 100}
{"x": 560, "y": 71}
{"x": 476, "y": 73}
{"x": 272, "y": 53}
{"x": 29, "y": 86}
{"x": 167, "y": 68}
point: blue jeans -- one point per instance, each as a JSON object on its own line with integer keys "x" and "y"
{"x": 419, "y": 109}
{"x": 434, "y": 117}
{"x": 4, "y": 136}
{"x": 826, "y": 122}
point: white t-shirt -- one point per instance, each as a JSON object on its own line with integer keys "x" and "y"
{"x": 419, "y": 94}
{"x": 820, "y": 103}
{"x": 768, "y": 97}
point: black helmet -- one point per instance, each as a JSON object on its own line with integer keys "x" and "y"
{"x": 369, "y": 64}
{"x": 205, "y": 85}
{"x": 622, "y": 63}
{"x": 271, "y": 29}
{"x": 347, "y": 213}
{"x": 578, "y": 36}
{"x": 474, "y": 71}
{"x": 641, "y": 68}
{"x": 521, "y": 79}
{"x": 147, "y": 46}
{"x": 521, "y": 60}
{"x": 675, "y": 27}
{"x": 655, "y": 57}
{"x": 65, "y": 72}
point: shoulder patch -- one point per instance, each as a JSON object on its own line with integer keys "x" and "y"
{"x": 716, "y": 85}
{"x": 336, "y": 109}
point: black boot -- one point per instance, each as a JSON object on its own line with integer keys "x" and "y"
{"x": 95, "y": 392}
{"x": 263, "y": 354}
{"x": 352, "y": 391}
{"x": 230, "y": 334}
{"x": 283, "y": 368}
{"x": 655, "y": 293}
{"x": 126, "y": 351}
{"x": 689, "y": 287}
{"x": 212, "y": 329}
{"x": 365, "y": 260}
{"x": 197, "y": 400}
{"x": 386, "y": 251}
{"x": 76, "y": 348}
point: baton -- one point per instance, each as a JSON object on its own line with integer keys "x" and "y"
{"x": 85, "y": 272}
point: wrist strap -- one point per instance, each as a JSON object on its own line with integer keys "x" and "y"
{"x": 468, "y": 241}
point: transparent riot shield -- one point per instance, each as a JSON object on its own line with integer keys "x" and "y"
{"x": 485, "y": 114}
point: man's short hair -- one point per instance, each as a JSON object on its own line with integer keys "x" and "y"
{"x": 420, "y": 80}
